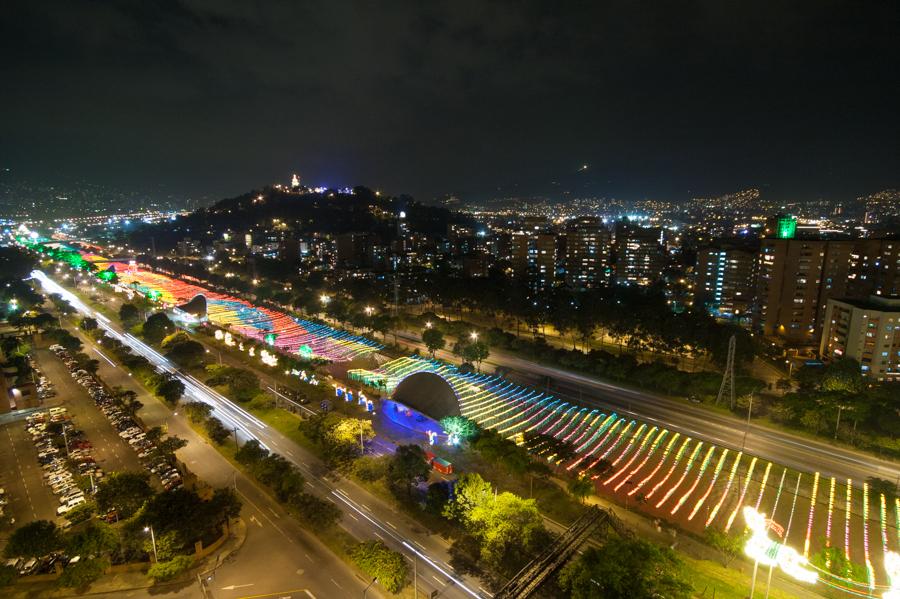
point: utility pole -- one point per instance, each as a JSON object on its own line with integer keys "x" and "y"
{"x": 838, "y": 423}
{"x": 728, "y": 377}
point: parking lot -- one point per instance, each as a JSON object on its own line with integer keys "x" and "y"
{"x": 110, "y": 450}
{"x": 20, "y": 476}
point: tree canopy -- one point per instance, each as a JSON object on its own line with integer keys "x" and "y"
{"x": 625, "y": 569}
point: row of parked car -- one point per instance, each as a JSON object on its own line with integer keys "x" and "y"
{"x": 124, "y": 423}
{"x": 69, "y": 468}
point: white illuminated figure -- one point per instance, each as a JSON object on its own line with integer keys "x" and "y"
{"x": 771, "y": 552}
{"x": 892, "y": 567}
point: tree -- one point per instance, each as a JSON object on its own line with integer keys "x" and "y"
{"x": 186, "y": 353}
{"x": 407, "y": 467}
{"x": 241, "y": 385}
{"x": 459, "y": 426}
{"x": 96, "y": 538}
{"x": 154, "y": 434}
{"x": 157, "y": 327}
{"x": 35, "y": 539}
{"x": 129, "y": 315}
{"x": 8, "y": 575}
{"x": 433, "y": 340}
{"x": 470, "y": 493}
{"x": 168, "y": 446}
{"x": 197, "y": 411}
{"x": 124, "y": 491}
{"x": 169, "y": 388}
{"x": 251, "y": 453}
{"x": 730, "y": 546}
{"x": 88, "y": 324}
{"x": 315, "y": 512}
{"x": 163, "y": 571}
{"x": 476, "y": 352}
{"x": 166, "y": 546}
{"x": 389, "y": 567}
{"x": 843, "y": 375}
{"x": 351, "y": 431}
{"x": 225, "y": 503}
{"x": 217, "y": 431}
{"x": 626, "y": 569}
{"x": 83, "y": 573}
{"x": 580, "y": 487}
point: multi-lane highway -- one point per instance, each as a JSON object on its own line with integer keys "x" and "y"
{"x": 782, "y": 447}
{"x": 365, "y": 516}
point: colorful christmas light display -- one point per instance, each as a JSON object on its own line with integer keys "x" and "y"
{"x": 276, "y": 329}
{"x": 644, "y": 458}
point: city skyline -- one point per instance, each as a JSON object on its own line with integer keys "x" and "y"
{"x": 481, "y": 103}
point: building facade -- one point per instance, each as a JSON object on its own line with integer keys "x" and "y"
{"x": 640, "y": 259}
{"x": 867, "y": 331}
{"x": 588, "y": 249}
{"x": 725, "y": 279}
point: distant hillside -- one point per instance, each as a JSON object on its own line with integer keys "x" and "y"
{"x": 328, "y": 212}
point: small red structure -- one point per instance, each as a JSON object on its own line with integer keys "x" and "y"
{"x": 439, "y": 464}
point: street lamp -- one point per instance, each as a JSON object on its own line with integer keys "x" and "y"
{"x": 366, "y": 590}
{"x": 368, "y": 310}
{"x": 428, "y": 325}
{"x": 324, "y": 299}
{"x": 473, "y": 336}
{"x": 153, "y": 542}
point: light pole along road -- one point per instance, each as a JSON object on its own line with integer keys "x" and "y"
{"x": 795, "y": 451}
{"x": 365, "y": 514}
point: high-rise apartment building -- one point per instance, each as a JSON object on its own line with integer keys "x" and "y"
{"x": 725, "y": 279}
{"x": 867, "y": 331}
{"x": 640, "y": 258}
{"x": 797, "y": 277}
{"x": 534, "y": 258}
{"x": 588, "y": 248}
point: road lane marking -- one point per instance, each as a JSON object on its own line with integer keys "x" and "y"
{"x": 439, "y": 580}
{"x": 336, "y": 584}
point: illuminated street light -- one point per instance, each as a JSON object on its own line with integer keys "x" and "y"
{"x": 473, "y": 336}
{"x": 324, "y": 299}
{"x": 368, "y": 310}
{"x": 153, "y": 541}
{"x": 428, "y": 325}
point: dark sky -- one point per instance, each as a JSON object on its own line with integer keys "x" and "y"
{"x": 664, "y": 99}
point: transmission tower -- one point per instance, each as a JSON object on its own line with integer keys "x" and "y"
{"x": 728, "y": 377}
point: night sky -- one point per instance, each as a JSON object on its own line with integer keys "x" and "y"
{"x": 661, "y": 99}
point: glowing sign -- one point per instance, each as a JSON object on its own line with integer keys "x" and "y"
{"x": 771, "y": 552}
{"x": 786, "y": 227}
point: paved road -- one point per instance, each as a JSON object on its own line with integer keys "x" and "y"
{"x": 679, "y": 415}
{"x": 366, "y": 516}
{"x": 278, "y": 556}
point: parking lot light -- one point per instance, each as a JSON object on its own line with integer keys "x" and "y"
{"x": 153, "y": 542}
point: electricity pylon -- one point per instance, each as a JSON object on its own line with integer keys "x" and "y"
{"x": 728, "y": 377}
